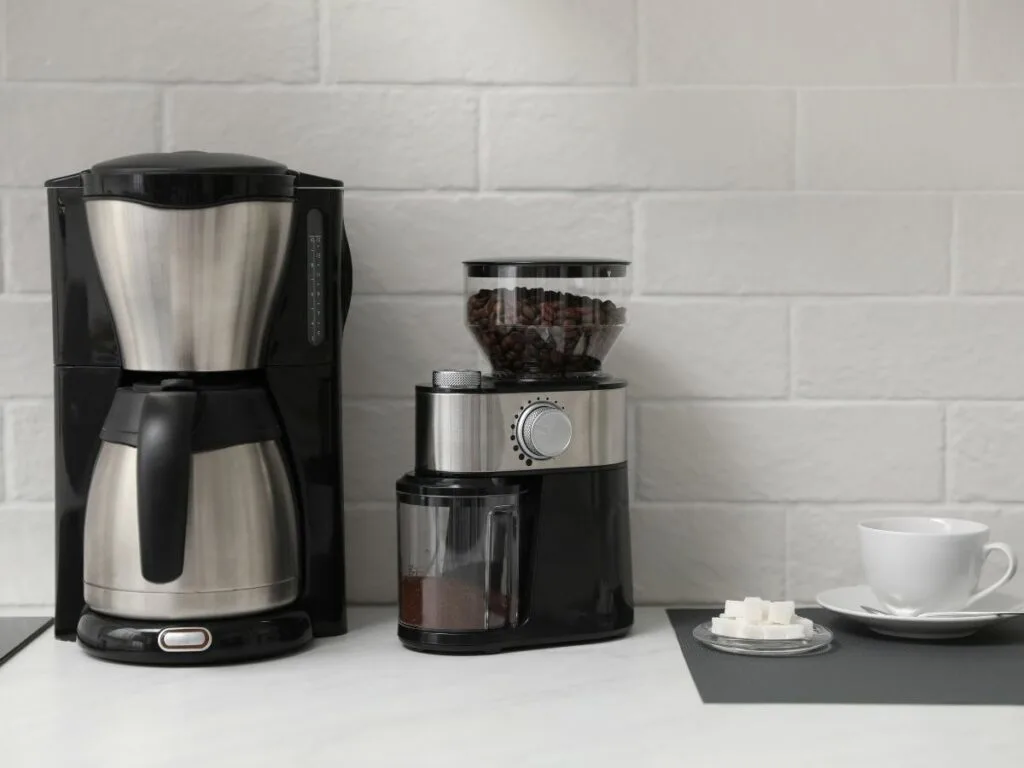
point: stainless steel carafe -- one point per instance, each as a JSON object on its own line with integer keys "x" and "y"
{"x": 190, "y": 512}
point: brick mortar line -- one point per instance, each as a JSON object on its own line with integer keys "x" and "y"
{"x": 162, "y": 127}
{"x": 639, "y": 44}
{"x": 795, "y": 505}
{"x": 953, "y": 262}
{"x": 5, "y": 46}
{"x": 684, "y": 195}
{"x": 669, "y": 400}
{"x": 935, "y": 299}
{"x": 799, "y": 300}
{"x": 524, "y": 87}
{"x": 798, "y": 140}
{"x": 958, "y": 17}
{"x": 9, "y": 505}
{"x": 26, "y": 298}
{"x": 787, "y": 578}
{"x": 803, "y": 505}
{"x": 834, "y": 506}
{"x": 8, "y": 454}
{"x": 690, "y": 402}
{"x": 641, "y": 195}
{"x": 829, "y": 402}
{"x": 323, "y": 39}
{"x": 947, "y": 457}
{"x": 738, "y": 402}
{"x": 791, "y": 362}
{"x": 726, "y": 299}
{"x": 638, "y": 253}
{"x": 482, "y": 145}
{"x": 6, "y": 241}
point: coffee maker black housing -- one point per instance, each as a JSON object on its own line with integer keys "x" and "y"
{"x": 300, "y": 369}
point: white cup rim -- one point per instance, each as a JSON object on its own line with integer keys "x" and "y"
{"x": 896, "y": 526}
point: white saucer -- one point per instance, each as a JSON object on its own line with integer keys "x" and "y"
{"x": 847, "y": 601}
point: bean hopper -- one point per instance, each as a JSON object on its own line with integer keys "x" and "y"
{"x": 514, "y": 527}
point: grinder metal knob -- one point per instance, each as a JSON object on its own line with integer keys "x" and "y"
{"x": 452, "y": 379}
{"x": 544, "y": 431}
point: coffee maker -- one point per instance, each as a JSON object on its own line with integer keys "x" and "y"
{"x": 514, "y": 527}
{"x": 198, "y": 307}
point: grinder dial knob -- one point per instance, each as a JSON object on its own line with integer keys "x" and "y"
{"x": 544, "y": 431}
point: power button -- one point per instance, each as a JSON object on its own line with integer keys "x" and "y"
{"x": 184, "y": 639}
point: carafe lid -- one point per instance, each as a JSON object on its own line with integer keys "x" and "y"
{"x": 189, "y": 179}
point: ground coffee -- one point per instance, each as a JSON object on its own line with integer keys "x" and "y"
{"x": 445, "y": 603}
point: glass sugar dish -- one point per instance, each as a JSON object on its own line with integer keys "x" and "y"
{"x": 819, "y": 641}
{"x": 546, "y": 319}
{"x": 756, "y": 627}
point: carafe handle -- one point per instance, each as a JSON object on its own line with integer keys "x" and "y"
{"x": 163, "y": 472}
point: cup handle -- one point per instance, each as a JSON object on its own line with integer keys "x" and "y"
{"x": 1011, "y": 570}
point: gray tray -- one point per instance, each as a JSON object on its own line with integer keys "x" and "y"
{"x": 862, "y": 667}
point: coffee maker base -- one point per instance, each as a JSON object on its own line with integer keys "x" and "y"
{"x": 496, "y": 641}
{"x": 213, "y": 641}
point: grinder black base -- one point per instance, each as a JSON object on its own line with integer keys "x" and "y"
{"x": 496, "y": 641}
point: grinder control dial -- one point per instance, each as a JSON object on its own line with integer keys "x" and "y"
{"x": 544, "y": 431}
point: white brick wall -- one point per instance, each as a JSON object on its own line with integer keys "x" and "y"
{"x": 824, "y": 203}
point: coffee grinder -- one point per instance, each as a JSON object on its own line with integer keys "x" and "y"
{"x": 514, "y": 527}
{"x": 198, "y": 306}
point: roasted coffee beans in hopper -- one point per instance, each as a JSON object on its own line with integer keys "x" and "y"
{"x": 540, "y": 320}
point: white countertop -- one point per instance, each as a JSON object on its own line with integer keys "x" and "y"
{"x": 363, "y": 700}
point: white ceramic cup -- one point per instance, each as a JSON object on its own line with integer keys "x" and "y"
{"x": 920, "y": 564}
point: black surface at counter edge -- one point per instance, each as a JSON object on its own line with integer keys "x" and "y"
{"x": 18, "y": 631}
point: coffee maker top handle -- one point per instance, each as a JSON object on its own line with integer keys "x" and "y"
{"x": 163, "y": 476}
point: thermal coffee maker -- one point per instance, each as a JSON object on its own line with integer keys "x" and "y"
{"x": 514, "y": 527}
{"x": 198, "y": 307}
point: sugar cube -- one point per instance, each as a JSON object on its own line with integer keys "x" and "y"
{"x": 781, "y": 612}
{"x": 749, "y": 631}
{"x": 805, "y": 624}
{"x": 725, "y": 627}
{"x": 733, "y": 609}
{"x": 774, "y": 632}
{"x": 753, "y": 610}
{"x": 793, "y": 632}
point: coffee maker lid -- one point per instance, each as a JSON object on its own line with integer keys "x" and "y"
{"x": 189, "y": 179}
